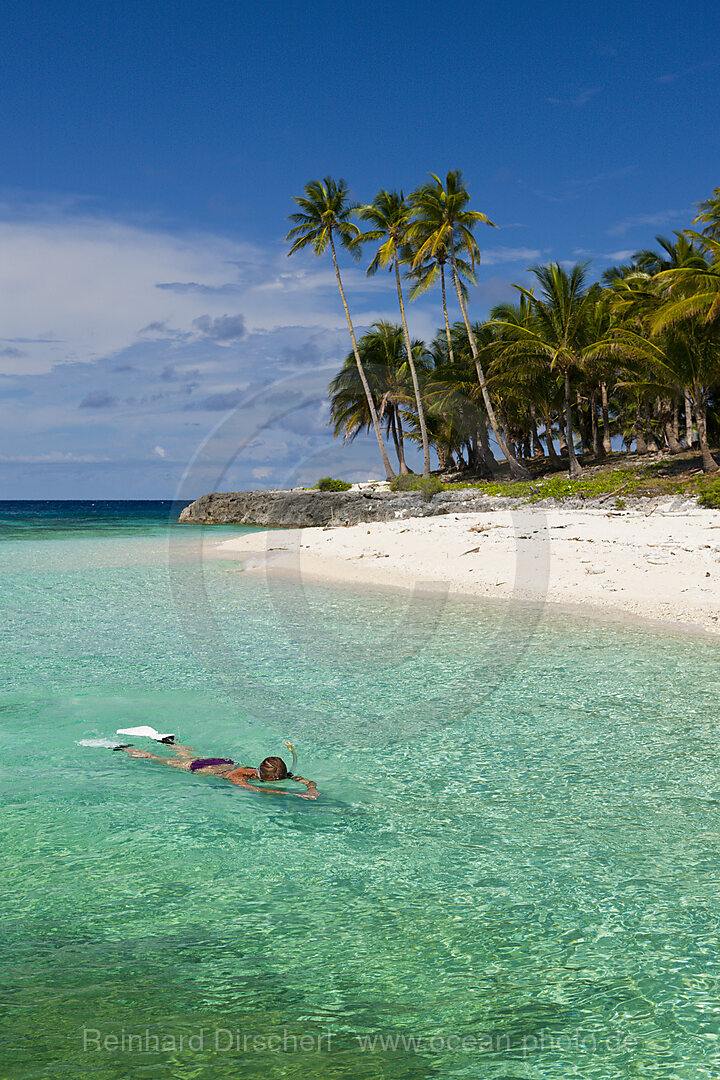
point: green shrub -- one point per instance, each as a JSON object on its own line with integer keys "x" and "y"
{"x": 328, "y": 484}
{"x": 404, "y": 483}
{"x": 710, "y": 495}
{"x": 427, "y": 486}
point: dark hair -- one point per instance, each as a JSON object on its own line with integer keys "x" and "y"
{"x": 273, "y": 768}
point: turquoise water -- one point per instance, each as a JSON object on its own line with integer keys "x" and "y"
{"x": 515, "y": 861}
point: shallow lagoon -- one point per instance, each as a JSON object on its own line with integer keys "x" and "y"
{"x": 515, "y": 861}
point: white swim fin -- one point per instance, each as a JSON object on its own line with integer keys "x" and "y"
{"x": 147, "y": 733}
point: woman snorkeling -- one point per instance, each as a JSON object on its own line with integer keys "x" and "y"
{"x": 270, "y": 769}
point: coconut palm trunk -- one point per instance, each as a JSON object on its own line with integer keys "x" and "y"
{"x": 518, "y": 470}
{"x": 598, "y": 450}
{"x": 509, "y": 435}
{"x": 451, "y": 355}
{"x": 397, "y": 434}
{"x": 401, "y": 440}
{"x": 607, "y": 441}
{"x": 649, "y": 433}
{"x": 673, "y": 445}
{"x": 689, "y": 431}
{"x": 485, "y": 449}
{"x": 581, "y": 423}
{"x": 640, "y": 444}
{"x": 573, "y": 462}
{"x": 710, "y": 465}
{"x": 537, "y": 450}
{"x": 669, "y": 411}
{"x": 552, "y": 452}
{"x": 413, "y": 372}
{"x": 389, "y": 474}
{"x": 562, "y": 438}
{"x": 676, "y": 419}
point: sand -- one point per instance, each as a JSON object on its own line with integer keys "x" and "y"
{"x": 660, "y": 563}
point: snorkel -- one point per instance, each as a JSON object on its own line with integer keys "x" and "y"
{"x": 291, "y": 748}
{"x": 288, "y": 773}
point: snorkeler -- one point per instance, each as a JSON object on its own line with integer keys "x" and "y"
{"x": 271, "y": 768}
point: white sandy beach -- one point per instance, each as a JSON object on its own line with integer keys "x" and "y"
{"x": 662, "y": 563}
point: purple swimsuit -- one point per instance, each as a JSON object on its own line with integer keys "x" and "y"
{"x": 203, "y": 762}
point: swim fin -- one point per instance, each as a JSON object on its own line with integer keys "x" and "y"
{"x": 148, "y": 733}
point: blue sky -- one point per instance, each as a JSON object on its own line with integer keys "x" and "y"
{"x": 151, "y": 152}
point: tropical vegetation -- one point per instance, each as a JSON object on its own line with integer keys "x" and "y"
{"x": 559, "y": 377}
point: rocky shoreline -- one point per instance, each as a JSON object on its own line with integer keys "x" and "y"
{"x": 304, "y": 508}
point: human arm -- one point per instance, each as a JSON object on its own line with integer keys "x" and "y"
{"x": 244, "y": 775}
{"x": 312, "y": 791}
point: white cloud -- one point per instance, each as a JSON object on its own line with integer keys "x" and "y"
{"x": 618, "y": 256}
{"x": 577, "y": 99}
{"x": 662, "y": 217}
{"x": 80, "y": 288}
{"x": 695, "y": 70}
{"x": 576, "y": 188}
{"x": 609, "y": 256}
{"x": 52, "y": 458}
{"x": 83, "y": 288}
{"x": 86, "y": 286}
{"x": 115, "y": 330}
{"x": 493, "y": 256}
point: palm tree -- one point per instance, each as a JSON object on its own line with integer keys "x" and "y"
{"x": 669, "y": 363}
{"x": 662, "y": 348}
{"x": 682, "y": 252}
{"x": 324, "y": 213}
{"x": 613, "y": 274}
{"x": 442, "y": 220}
{"x": 426, "y": 274}
{"x": 454, "y": 391}
{"x": 692, "y": 295}
{"x": 390, "y": 218}
{"x": 599, "y": 371}
{"x": 385, "y": 363}
{"x": 709, "y": 216}
{"x": 558, "y": 332}
{"x": 527, "y": 372}
{"x": 694, "y": 291}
